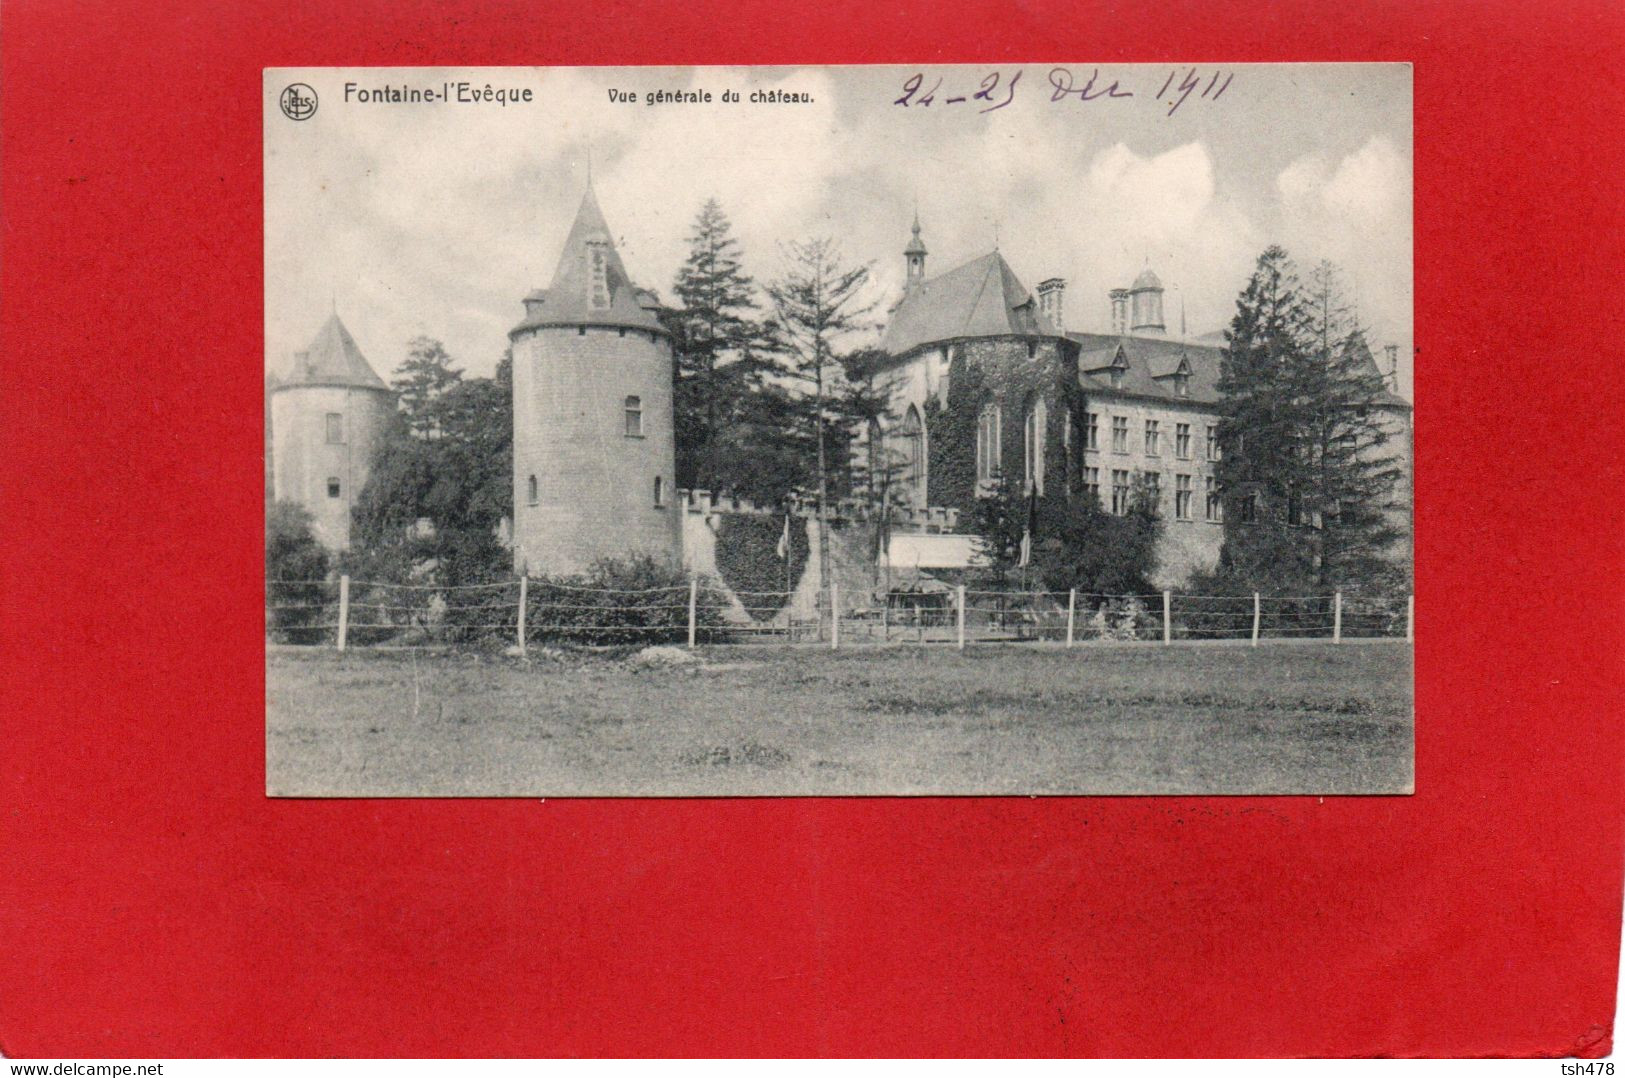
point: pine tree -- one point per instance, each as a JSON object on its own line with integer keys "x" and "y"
{"x": 421, "y": 381}
{"x": 817, "y": 303}
{"x": 720, "y": 353}
{"x": 1307, "y": 484}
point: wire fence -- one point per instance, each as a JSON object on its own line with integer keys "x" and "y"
{"x": 522, "y": 611}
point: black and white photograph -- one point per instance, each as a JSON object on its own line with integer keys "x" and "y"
{"x": 1010, "y": 430}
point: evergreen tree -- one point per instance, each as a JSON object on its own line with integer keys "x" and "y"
{"x": 454, "y": 466}
{"x": 817, "y": 303}
{"x": 421, "y": 381}
{"x": 720, "y": 354}
{"x": 1307, "y": 484}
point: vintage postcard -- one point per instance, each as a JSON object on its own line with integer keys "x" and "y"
{"x": 970, "y": 430}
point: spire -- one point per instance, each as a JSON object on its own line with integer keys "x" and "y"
{"x": 914, "y": 254}
{"x": 333, "y": 359}
{"x": 590, "y": 285}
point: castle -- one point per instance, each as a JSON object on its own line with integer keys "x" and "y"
{"x": 1096, "y": 415}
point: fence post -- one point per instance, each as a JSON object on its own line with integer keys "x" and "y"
{"x": 834, "y": 617}
{"x": 1410, "y": 617}
{"x": 344, "y": 609}
{"x": 1167, "y": 619}
{"x": 693, "y": 608}
{"x": 1071, "y": 614}
{"x": 524, "y": 601}
{"x": 960, "y": 603}
{"x": 1257, "y": 617}
{"x": 1337, "y": 617}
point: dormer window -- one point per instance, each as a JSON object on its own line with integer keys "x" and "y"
{"x": 1182, "y": 385}
{"x": 598, "y": 276}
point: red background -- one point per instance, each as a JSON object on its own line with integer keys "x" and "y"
{"x": 154, "y": 903}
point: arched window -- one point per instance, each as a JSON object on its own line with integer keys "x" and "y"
{"x": 634, "y": 417}
{"x": 987, "y": 443}
{"x": 911, "y": 456}
{"x": 1037, "y": 422}
{"x": 532, "y": 494}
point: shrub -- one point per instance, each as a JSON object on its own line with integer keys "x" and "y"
{"x": 296, "y": 588}
{"x": 633, "y": 600}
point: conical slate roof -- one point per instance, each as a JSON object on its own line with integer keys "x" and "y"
{"x": 567, "y": 301}
{"x": 332, "y": 360}
{"x": 982, "y": 298}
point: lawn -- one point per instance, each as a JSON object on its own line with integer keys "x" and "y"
{"x": 1282, "y": 718}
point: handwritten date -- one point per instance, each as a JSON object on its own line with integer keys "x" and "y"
{"x": 998, "y": 90}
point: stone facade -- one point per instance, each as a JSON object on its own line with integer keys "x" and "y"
{"x": 583, "y": 487}
{"x": 322, "y": 468}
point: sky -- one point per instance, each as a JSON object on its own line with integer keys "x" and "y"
{"x": 436, "y": 218}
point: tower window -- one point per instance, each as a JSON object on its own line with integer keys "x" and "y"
{"x": 1032, "y": 349}
{"x": 634, "y": 417}
{"x": 581, "y": 331}
{"x": 332, "y": 486}
{"x": 660, "y": 493}
{"x": 532, "y": 491}
{"x": 335, "y": 428}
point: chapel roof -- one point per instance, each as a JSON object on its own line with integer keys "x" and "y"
{"x": 566, "y": 300}
{"x": 982, "y": 298}
{"x": 333, "y": 359}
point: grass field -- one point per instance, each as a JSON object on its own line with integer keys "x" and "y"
{"x": 1284, "y": 718}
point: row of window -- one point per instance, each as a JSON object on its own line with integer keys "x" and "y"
{"x": 989, "y": 441}
{"x": 1122, "y": 493}
{"x": 1153, "y": 437}
{"x": 533, "y": 491}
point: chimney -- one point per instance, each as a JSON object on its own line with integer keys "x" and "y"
{"x": 1120, "y": 311}
{"x": 1050, "y": 293}
{"x": 1391, "y": 375}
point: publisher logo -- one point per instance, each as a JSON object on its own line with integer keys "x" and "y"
{"x": 298, "y": 102}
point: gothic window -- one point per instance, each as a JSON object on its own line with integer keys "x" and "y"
{"x": 1033, "y": 443}
{"x": 335, "y": 428}
{"x": 911, "y": 454}
{"x": 987, "y": 443}
{"x": 532, "y": 491}
{"x": 332, "y": 486}
{"x": 634, "y": 417}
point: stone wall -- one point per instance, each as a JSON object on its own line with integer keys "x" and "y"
{"x": 305, "y": 462}
{"x": 595, "y": 485}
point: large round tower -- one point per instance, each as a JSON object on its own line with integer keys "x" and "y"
{"x": 593, "y": 449}
{"x": 328, "y": 417}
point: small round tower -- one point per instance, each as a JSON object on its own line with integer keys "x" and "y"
{"x": 329, "y": 413}
{"x": 1145, "y": 298}
{"x": 593, "y": 446}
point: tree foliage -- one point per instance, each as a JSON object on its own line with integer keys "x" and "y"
{"x": 1309, "y": 485}
{"x": 447, "y": 459}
